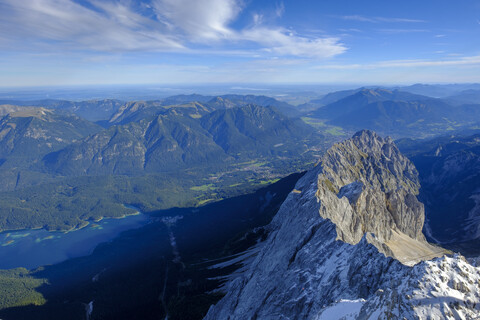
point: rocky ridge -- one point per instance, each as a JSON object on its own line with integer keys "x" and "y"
{"x": 303, "y": 271}
{"x": 367, "y": 186}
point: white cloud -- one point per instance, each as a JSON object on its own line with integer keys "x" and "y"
{"x": 283, "y": 42}
{"x": 199, "y": 19}
{"x": 75, "y": 26}
{"x": 398, "y": 31}
{"x": 358, "y": 18}
{"x": 280, "y": 9}
{"x": 257, "y": 19}
{"x": 473, "y": 60}
{"x": 432, "y": 63}
{"x": 350, "y": 30}
{"x": 383, "y": 19}
{"x": 160, "y": 25}
{"x": 380, "y": 19}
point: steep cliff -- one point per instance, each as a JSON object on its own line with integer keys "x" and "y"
{"x": 334, "y": 265}
{"x": 367, "y": 186}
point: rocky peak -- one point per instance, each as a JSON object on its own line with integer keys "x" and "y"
{"x": 301, "y": 271}
{"x": 366, "y": 186}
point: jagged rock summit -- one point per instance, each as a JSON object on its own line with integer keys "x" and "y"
{"x": 347, "y": 262}
{"x": 366, "y": 186}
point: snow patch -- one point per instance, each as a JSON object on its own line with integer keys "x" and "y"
{"x": 342, "y": 310}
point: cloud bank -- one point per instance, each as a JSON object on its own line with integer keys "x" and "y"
{"x": 155, "y": 25}
{"x": 464, "y": 61}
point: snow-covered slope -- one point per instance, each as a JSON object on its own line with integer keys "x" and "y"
{"x": 303, "y": 272}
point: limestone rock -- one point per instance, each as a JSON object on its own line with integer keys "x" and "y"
{"x": 309, "y": 267}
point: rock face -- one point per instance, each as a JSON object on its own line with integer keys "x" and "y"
{"x": 328, "y": 266}
{"x": 367, "y": 186}
{"x": 376, "y": 186}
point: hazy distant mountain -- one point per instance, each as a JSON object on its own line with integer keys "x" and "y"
{"x": 362, "y": 94}
{"x": 46, "y": 103}
{"x": 398, "y": 117}
{"x": 397, "y": 113}
{"x": 337, "y": 95}
{"x": 360, "y": 99}
{"x": 326, "y": 99}
{"x": 439, "y": 90}
{"x": 171, "y": 141}
{"x": 92, "y": 110}
{"x": 465, "y": 97}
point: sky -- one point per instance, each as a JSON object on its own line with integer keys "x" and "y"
{"x": 108, "y": 42}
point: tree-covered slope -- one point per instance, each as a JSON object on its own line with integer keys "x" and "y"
{"x": 169, "y": 142}
{"x": 32, "y": 132}
{"x": 256, "y": 130}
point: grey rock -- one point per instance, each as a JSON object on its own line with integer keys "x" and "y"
{"x": 310, "y": 268}
{"x": 367, "y": 186}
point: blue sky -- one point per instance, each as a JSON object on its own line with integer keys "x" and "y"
{"x": 83, "y": 42}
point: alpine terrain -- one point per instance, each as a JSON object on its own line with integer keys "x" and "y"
{"x": 449, "y": 173}
{"x": 347, "y": 243}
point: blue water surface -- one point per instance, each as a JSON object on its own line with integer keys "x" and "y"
{"x": 34, "y": 248}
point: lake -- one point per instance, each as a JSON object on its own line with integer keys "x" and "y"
{"x": 34, "y": 248}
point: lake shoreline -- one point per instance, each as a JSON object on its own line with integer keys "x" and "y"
{"x": 77, "y": 228}
{"x": 35, "y": 248}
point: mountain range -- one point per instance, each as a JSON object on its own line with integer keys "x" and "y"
{"x": 397, "y": 113}
{"x": 180, "y": 151}
{"x": 440, "y": 90}
{"x": 335, "y": 104}
{"x": 169, "y": 142}
{"x": 208, "y": 141}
